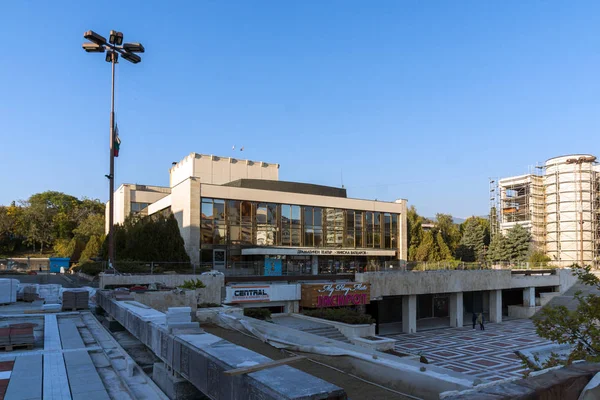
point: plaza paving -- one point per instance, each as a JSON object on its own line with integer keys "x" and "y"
{"x": 489, "y": 355}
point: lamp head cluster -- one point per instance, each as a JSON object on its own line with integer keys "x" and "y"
{"x": 113, "y": 47}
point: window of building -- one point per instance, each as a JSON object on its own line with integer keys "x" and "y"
{"x": 349, "y": 232}
{"x": 219, "y": 209}
{"x": 334, "y": 227}
{"x": 136, "y": 207}
{"x": 269, "y": 224}
{"x": 369, "y": 229}
{"x": 358, "y": 229}
{"x": 387, "y": 225}
{"x": 377, "y": 230}
{"x": 394, "y": 235}
{"x": 247, "y": 209}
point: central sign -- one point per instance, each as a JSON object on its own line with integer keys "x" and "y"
{"x": 335, "y": 294}
{"x": 248, "y": 294}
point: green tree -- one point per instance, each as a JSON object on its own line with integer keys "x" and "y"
{"x": 497, "y": 249}
{"x": 92, "y": 249}
{"x": 153, "y": 238}
{"x": 432, "y": 248}
{"x": 580, "y": 327}
{"x": 443, "y": 251}
{"x": 539, "y": 257}
{"x": 91, "y": 225}
{"x": 517, "y": 244}
{"x": 449, "y": 230}
{"x": 472, "y": 244}
{"x": 36, "y": 223}
{"x": 415, "y": 232}
{"x": 59, "y": 207}
{"x": 427, "y": 248}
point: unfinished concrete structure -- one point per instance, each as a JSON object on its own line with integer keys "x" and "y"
{"x": 559, "y": 203}
{"x": 204, "y": 359}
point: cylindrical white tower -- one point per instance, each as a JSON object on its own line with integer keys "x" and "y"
{"x": 570, "y": 185}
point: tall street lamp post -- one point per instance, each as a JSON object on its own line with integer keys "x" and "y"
{"x": 113, "y": 47}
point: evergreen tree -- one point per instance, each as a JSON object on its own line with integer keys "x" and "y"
{"x": 92, "y": 249}
{"x": 449, "y": 230}
{"x": 415, "y": 232}
{"x": 426, "y": 248}
{"x": 517, "y": 244}
{"x": 497, "y": 249}
{"x": 153, "y": 238}
{"x": 472, "y": 243}
{"x": 442, "y": 250}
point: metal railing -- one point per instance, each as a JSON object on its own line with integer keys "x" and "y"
{"x": 458, "y": 265}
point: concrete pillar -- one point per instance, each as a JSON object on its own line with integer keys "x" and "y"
{"x": 315, "y": 265}
{"x": 456, "y": 310}
{"x": 529, "y": 297}
{"x": 496, "y": 306}
{"x": 409, "y": 314}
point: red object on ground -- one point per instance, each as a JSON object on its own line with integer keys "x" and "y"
{"x": 6, "y": 365}
{"x": 137, "y": 288}
{"x": 3, "y": 387}
{"x": 32, "y": 273}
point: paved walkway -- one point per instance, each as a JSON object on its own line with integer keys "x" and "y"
{"x": 489, "y": 355}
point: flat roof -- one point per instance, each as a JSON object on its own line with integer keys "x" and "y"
{"x": 290, "y": 187}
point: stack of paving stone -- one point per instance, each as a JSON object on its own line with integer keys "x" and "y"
{"x": 4, "y": 337}
{"x": 180, "y": 318}
{"x": 30, "y": 294}
{"x": 8, "y": 290}
{"x": 75, "y": 299}
{"x": 21, "y": 334}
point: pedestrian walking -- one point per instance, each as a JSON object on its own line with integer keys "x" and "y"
{"x": 480, "y": 321}
{"x": 474, "y": 319}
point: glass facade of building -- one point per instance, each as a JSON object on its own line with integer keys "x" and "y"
{"x": 247, "y": 223}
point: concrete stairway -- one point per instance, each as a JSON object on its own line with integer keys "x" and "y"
{"x": 329, "y": 332}
{"x": 567, "y": 298}
{"x": 546, "y": 297}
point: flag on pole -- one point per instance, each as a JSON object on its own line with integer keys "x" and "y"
{"x": 117, "y": 142}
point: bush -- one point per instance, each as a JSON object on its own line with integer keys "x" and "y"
{"x": 193, "y": 284}
{"x": 258, "y": 313}
{"x": 539, "y": 257}
{"x": 208, "y": 305}
{"x": 90, "y": 268}
{"x": 345, "y": 315}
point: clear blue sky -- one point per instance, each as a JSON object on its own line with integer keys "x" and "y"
{"x": 417, "y": 100}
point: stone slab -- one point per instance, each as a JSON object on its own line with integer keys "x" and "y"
{"x": 69, "y": 335}
{"x": 26, "y": 380}
{"x": 84, "y": 381}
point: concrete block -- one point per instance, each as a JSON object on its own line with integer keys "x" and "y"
{"x": 174, "y": 387}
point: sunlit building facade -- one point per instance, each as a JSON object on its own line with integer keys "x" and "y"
{"x": 236, "y": 216}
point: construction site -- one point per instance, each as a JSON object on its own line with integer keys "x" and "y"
{"x": 558, "y": 203}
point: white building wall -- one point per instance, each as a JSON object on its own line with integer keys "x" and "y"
{"x": 219, "y": 170}
{"x": 185, "y": 205}
{"x": 128, "y": 193}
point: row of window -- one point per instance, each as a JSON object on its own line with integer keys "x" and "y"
{"x": 270, "y": 224}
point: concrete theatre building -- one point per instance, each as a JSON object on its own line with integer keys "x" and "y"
{"x": 238, "y": 217}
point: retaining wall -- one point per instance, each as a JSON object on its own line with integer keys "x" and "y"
{"x": 210, "y": 294}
